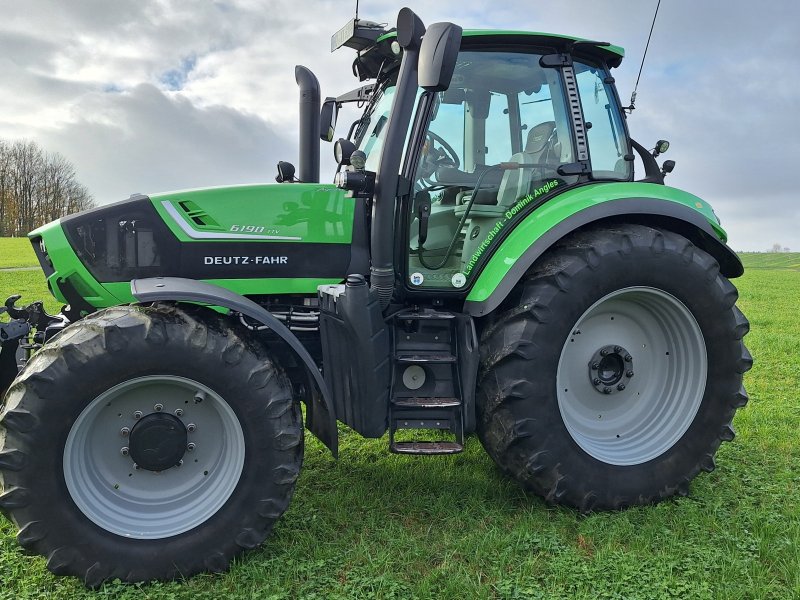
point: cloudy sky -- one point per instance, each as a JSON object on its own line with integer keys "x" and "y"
{"x": 153, "y": 95}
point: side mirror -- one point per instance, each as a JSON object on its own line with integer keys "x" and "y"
{"x": 285, "y": 172}
{"x": 327, "y": 119}
{"x": 437, "y": 56}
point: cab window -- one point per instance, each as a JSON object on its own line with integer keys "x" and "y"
{"x": 606, "y": 134}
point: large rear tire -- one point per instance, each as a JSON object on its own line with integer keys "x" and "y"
{"x": 148, "y": 443}
{"x": 612, "y": 374}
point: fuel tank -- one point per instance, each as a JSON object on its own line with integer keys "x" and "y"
{"x": 252, "y": 239}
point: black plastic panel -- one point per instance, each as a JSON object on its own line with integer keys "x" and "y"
{"x": 356, "y": 357}
{"x": 128, "y": 240}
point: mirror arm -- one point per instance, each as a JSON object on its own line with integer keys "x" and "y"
{"x": 651, "y": 169}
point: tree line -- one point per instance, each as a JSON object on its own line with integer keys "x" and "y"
{"x": 36, "y": 187}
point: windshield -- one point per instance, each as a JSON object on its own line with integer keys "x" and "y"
{"x": 371, "y": 132}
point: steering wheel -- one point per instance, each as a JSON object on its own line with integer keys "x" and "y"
{"x": 433, "y": 158}
{"x": 449, "y": 153}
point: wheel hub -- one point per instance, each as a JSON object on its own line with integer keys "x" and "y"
{"x": 158, "y": 441}
{"x": 610, "y": 369}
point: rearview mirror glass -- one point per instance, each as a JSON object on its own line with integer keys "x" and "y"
{"x": 327, "y": 119}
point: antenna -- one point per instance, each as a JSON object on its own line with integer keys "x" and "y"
{"x": 630, "y": 108}
{"x": 357, "y": 9}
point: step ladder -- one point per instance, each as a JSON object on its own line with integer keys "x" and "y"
{"x": 426, "y": 382}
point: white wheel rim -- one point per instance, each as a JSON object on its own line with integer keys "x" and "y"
{"x": 108, "y": 488}
{"x": 657, "y": 404}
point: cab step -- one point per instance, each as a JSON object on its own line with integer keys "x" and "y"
{"x": 426, "y": 387}
{"x": 426, "y": 402}
{"x": 419, "y": 357}
{"x": 429, "y": 448}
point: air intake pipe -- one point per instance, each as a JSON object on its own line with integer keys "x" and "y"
{"x": 410, "y": 30}
{"x": 309, "y": 124}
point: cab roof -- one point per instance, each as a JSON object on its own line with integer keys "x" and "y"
{"x": 377, "y": 57}
{"x": 613, "y": 55}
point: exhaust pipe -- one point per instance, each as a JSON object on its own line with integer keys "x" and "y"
{"x": 309, "y": 124}
{"x": 410, "y": 30}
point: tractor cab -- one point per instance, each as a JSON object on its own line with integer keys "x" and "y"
{"x": 522, "y": 118}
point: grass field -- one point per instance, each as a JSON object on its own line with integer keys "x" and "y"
{"x": 376, "y": 525}
{"x": 16, "y": 252}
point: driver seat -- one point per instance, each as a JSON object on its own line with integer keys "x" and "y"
{"x": 541, "y": 146}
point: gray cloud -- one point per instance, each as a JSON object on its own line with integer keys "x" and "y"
{"x": 145, "y": 141}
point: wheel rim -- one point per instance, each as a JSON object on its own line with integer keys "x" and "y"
{"x": 658, "y": 401}
{"x": 132, "y": 501}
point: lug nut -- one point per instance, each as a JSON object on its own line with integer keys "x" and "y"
{"x": 617, "y": 349}
{"x": 136, "y": 467}
{"x": 180, "y": 463}
{"x": 621, "y": 387}
{"x": 124, "y": 451}
{"x": 628, "y": 358}
{"x": 158, "y": 407}
{"x": 191, "y": 427}
{"x": 190, "y": 446}
{"x": 607, "y": 390}
{"x": 137, "y": 414}
{"x": 604, "y": 352}
{"x": 179, "y": 412}
{"x": 629, "y": 373}
{"x": 596, "y": 381}
{"x": 124, "y": 432}
{"x": 595, "y": 366}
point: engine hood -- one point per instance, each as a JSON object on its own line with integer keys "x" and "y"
{"x": 252, "y": 239}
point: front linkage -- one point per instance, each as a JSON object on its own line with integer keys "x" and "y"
{"x": 27, "y": 330}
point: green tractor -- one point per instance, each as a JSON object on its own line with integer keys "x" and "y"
{"x": 484, "y": 262}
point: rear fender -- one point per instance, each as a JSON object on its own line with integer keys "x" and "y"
{"x": 665, "y": 207}
{"x": 320, "y": 417}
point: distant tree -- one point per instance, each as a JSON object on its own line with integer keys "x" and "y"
{"x": 787, "y": 249}
{"x": 36, "y": 187}
{"x": 5, "y": 185}
{"x": 776, "y": 247}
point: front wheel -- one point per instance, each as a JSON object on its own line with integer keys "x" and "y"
{"x": 148, "y": 443}
{"x": 612, "y": 375}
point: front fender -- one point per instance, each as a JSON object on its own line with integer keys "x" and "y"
{"x": 644, "y": 203}
{"x": 320, "y": 416}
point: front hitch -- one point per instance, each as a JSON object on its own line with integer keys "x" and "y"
{"x": 16, "y": 341}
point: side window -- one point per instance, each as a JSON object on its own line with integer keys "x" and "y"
{"x": 498, "y": 130}
{"x": 606, "y": 135}
{"x": 538, "y": 108}
{"x": 448, "y": 125}
{"x": 370, "y": 140}
{"x": 535, "y": 108}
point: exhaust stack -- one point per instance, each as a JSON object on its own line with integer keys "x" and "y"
{"x": 309, "y": 124}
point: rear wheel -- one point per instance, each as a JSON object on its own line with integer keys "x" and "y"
{"x": 148, "y": 443}
{"x": 612, "y": 375}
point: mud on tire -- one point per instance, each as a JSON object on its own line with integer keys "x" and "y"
{"x": 69, "y": 479}
{"x": 601, "y": 414}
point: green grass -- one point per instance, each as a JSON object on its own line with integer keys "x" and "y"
{"x": 31, "y": 285}
{"x": 16, "y": 252}
{"x": 376, "y": 525}
{"x": 771, "y": 260}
